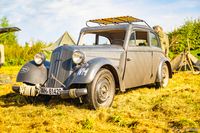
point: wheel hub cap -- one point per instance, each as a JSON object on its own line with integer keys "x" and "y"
{"x": 103, "y": 91}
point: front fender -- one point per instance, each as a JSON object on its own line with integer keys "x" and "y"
{"x": 33, "y": 74}
{"x": 87, "y": 73}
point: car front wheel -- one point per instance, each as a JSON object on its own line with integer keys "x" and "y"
{"x": 101, "y": 90}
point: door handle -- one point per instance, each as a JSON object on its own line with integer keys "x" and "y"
{"x": 128, "y": 59}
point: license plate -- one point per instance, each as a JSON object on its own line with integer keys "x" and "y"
{"x": 50, "y": 91}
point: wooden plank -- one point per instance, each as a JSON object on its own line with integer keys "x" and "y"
{"x": 116, "y": 20}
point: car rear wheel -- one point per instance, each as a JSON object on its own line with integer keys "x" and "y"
{"x": 164, "y": 77}
{"x": 101, "y": 90}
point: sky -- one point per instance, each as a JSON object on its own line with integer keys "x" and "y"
{"x": 47, "y": 20}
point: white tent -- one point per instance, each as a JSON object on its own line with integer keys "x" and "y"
{"x": 64, "y": 39}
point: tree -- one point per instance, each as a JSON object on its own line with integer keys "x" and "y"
{"x": 7, "y": 38}
{"x": 185, "y": 37}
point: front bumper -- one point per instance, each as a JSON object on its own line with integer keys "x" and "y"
{"x": 28, "y": 90}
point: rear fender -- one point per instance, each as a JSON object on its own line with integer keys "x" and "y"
{"x": 33, "y": 74}
{"x": 159, "y": 76}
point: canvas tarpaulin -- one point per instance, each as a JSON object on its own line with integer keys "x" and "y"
{"x": 185, "y": 61}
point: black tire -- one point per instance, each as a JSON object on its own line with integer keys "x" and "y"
{"x": 164, "y": 77}
{"x": 101, "y": 90}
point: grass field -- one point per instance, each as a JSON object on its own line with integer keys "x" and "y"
{"x": 173, "y": 109}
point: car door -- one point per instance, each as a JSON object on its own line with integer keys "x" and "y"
{"x": 157, "y": 52}
{"x": 139, "y": 60}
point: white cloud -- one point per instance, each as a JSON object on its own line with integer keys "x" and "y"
{"x": 47, "y": 20}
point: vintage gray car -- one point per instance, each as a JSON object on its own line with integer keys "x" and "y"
{"x": 116, "y": 55}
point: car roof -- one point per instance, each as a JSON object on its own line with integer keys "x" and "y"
{"x": 115, "y": 27}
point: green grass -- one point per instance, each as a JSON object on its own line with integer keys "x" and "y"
{"x": 173, "y": 109}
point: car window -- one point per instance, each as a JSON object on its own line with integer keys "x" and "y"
{"x": 154, "y": 40}
{"x": 107, "y": 37}
{"x": 141, "y": 38}
{"x": 132, "y": 39}
{"x": 103, "y": 40}
{"x": 89, "y": 39}
{"x": 94, "y": 39}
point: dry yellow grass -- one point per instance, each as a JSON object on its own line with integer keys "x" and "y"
{"x": 174, "y": 109}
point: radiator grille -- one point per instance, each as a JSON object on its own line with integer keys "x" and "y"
{"x": 60, "y": 67}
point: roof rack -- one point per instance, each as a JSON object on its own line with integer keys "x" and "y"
{"x": 116, "y": 20}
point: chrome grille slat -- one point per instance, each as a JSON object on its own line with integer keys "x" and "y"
{"x": 53, "y": 69}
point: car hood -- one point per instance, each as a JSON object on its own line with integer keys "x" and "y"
{"x": 100, "y": 51}
{"x": 99, "y": 47}
{"x": 110, "y": 52}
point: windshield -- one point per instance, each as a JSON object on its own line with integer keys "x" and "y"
{"x": 113, "y": 37}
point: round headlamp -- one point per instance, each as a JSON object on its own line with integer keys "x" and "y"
{"x": 39, "y": 58}
{"x": 78, "y": 57}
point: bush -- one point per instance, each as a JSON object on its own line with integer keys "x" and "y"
{"x": 186, "y": 37}
{"x": 18, "y": 55}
